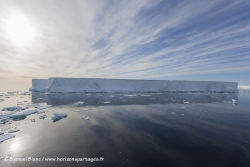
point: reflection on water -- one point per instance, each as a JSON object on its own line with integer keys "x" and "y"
{"x": 130, "y": 99}
{"x": 15, "y": 146}
{"x": 138, "y": 130}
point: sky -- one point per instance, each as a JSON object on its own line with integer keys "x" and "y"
{"x": 206, "y": 40}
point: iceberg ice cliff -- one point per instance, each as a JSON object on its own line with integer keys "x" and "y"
{"x": 39, "y": 85}
{"x": 56, "y": 85}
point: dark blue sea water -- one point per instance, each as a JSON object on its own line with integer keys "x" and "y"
{"x": 132, "y": 130}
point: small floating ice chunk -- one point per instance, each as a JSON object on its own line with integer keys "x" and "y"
{"x": 42, "y": 116}
{"x": 186, "y": 102}
{"x": 4, "y": 118}
{"x": 25, "y": 93}
{"x": 234, "y": 101}
{"x": 183, "y": 107}
{"x": 33, "y": 120}
{"x": 40, "y": 112}
{"x": 12, "y": 108}
{"x": 25, "y": 113}
{"x": 83, "y": 117}
{"x": 5, "y": 128}
{"x": 13, "y": 130}
{"x": 145, "y": 95}
{"x": 6, "y": 137}
{"x": 106, "y": 102}
{"x": 58, "y": 116}
{"x": 43, "y": 107}
{"x": 79, "y": 103}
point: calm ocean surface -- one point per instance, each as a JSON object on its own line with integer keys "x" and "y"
{"x": 132, "y": 130}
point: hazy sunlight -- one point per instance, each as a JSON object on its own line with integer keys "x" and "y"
{"x": 19, "y": 29}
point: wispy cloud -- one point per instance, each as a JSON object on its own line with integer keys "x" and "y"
{"x": 149, "y": 39}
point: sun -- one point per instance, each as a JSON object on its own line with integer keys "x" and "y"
{"x": 19, "y": 29}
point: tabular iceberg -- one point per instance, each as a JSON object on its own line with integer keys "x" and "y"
{"x": 39, "y": 85}
{"x": 129, "y": 85}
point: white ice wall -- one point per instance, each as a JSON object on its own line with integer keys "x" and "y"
{"x": 127, "y": 85}
{"x": 39, "y": 84}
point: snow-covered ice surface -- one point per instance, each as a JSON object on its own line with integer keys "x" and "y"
{"x": 13, "y": 130}
{"x": 129, "y": 85}
{"x": 234, "y": 101}
{"x": 156, "y": 123}
{"x": 58, "y": 116}
{"x": 85, "y": 117}
{"x": 23, "y": 113}
{"x": 80, "y": 103}
{"x": 42, "y": 107}
{"x": 6, "y": 137}
{"x": 42, "y": 116}
{"x": 13, "y": 108}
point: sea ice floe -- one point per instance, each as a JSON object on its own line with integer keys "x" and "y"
{"x": 13, "y": 130}
{"x": 42, "y": 116}
{"x": 106, "y": 102}
{"x": 40, "y": 112}
{"x": 58, "y": 116}
{"x": 33, "y": 120}
{"x": 15, "y": 115}
{"x": 4, "y": 118}
{"x": 6, "y": 137}
{"x": 79, "y": 103}
{"x": 186, "y": 102}
{"x": 25, "y": 93}
{"x": 14, "y": 108}
{"x": 43, "y": 107}
{"x": 25, "y": 113}
{"x": 144, "y": 95}
{"x": 234, "y": 101}
{"x": 85, "y": 117}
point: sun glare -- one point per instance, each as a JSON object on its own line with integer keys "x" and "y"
{"x": 14, "y": 146}
{"x": 19, "y": 29}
